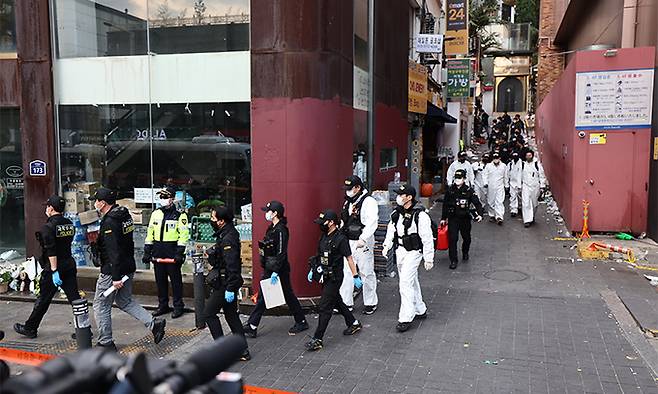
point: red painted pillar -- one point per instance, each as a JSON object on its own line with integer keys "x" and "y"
{"x": 301, "y": 117}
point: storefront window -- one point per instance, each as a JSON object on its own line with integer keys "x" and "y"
{"x": 7, "y": 26}
{"x": 197, "y": 26}
{"x": 361, "y": 95}
{"x": 138, "y": 123}
{"x": 12, "y": 218}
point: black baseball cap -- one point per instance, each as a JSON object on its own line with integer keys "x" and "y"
{"x": 406, "y": 190}
{"x": 104, "y": 194}
{"x": 325, "y": 215}
{"x": 58, "y": 203}
{"x": 459, "y": 174}
{"x": 462, "y": 154}
{"x": 496, "y": 155}
{"x": 167, "y": 192}
{"x": 352, "y": 181}
{"x": 274, "y": 206}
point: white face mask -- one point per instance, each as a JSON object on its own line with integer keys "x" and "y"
{"x": 399, "y": 200}
{"x": 164, "y": 202}
{"x": 269, "y": 216}
{"x": 98, "y": 206}
{"x": 459, "y": 181}
{"x": 350, "y": 193}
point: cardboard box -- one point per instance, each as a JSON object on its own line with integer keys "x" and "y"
{"x": 75, "y": 202}
{"x": 88, "y": 217}
{"x": 141, "y": 216}
{"x": 128, "y": 203}
{"x": 88, "y": 188}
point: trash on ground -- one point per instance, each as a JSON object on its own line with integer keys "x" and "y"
{"x": 491, "y": 362}
{"x": 631, "y": 357}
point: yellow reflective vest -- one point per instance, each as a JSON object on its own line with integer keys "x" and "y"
{"x": 168, "y": 234}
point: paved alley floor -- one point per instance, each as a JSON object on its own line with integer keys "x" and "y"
{"x": 520, "y": 317}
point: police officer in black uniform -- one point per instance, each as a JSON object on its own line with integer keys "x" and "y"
{"x": 225, "y": 278}
{"x": 327, "y": 268}
{"x": 59, "y": 268}
{"x": 273, "y": 251}
{"x": 457, "y": 214}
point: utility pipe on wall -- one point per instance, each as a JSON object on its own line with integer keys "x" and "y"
{"x": 629, "y": 22}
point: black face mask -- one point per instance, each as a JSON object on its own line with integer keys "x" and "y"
{"x": 214, "y": 225}
{"x": 324, "y": 228}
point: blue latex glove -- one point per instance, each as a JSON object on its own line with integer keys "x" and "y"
{"x": 310, "y": 276}
{"x": 358, "y": 283}
{"x": 57, "y": 281}
{"x": 274, "y": 278}
{"x": 229, "y": 296}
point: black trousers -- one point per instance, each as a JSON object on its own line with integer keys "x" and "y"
{"x": 331, "y": 299}
{"x": 288, "y": 294}
{"x": 458, "y": 225}
{"x": 47, "y": 291}
{"x": 164, "y": 273}
{"x": 214, "y": 304}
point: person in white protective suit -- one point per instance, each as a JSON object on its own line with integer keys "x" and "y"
{"x": 478, "y": 171}
{"x": 460, "y": 164}
{"x": 496, "y": 179}
{"x": 360, "y": 217}
{"x": 514, "y": 171}
{"x": 409, "y": 234}
{"x": 532, "y": 183}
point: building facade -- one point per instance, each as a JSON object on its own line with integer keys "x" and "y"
{"x": 231, "y": 101}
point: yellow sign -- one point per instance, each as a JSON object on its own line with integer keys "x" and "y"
{"x": 597, "y": 139}
{"x": 457, "y": 45}
{"x": 417, "y": 88}
{"x": 655, "y": 148}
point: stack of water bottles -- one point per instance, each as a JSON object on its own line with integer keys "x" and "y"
{"x": 79, "y": 245}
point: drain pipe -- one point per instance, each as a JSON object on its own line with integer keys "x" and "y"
{"x": 629, "y": 23}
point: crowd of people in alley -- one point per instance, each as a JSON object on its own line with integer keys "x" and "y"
{"x": 344, "y": 258}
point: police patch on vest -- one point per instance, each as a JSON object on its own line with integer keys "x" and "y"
{"x": 227, "y": 247}
{"x": 128, "y": 226}
{"x": 183, "y": 222}
{"x": 64, "y": 230}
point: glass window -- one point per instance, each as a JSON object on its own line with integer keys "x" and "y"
{"x": 360, "y": 83}
{"x": 7, "y": 26}
{"x": 100, "y": 28}
{"x": 12, "y": 218}
{"x": 196, "y": 26}
{"x": 388, "y": 158}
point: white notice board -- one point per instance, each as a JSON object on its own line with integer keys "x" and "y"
{"x": 614, "y": 99}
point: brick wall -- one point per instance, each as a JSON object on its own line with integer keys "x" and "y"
{"x": 551, "y": 63}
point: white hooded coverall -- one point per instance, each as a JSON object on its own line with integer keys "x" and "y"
{"x": 364, "y": 257}
{"x": 411, "y": 298}
{"x": 456, "y": 165}
{"x": 480, "y": 190}
{"x": 533, "y": 180}
{"x": 514, "y": 171}
{"x": 497, "y": 178}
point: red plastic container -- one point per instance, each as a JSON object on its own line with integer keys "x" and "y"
{"x": 442, "y": 238}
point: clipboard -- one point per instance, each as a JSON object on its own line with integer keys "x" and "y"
{"x": 273, "y": 294}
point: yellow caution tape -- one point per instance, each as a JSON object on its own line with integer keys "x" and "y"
{"x": 565, "y": 239}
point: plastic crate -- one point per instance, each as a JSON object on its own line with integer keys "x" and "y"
{"x": 202, "y": 230}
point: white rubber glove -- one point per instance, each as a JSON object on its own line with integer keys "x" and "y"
{"x": 385, "y": 251}
{"x": 429, "y": 265}
{"x": 360, "y": 244}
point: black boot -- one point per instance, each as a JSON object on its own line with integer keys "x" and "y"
{"x": 162, "y": 310}
{"x": 465, "y": 257}
{"x": 21, "y": 329}
{"x": 453, "y": 265}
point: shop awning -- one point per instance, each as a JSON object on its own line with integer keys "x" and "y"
{"x": 439, "y": 114}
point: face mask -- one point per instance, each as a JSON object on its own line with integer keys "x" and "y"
{"x": 47, "y": 212}
{"x": 399, "y": 200}
{"x": 496, "y": 161}
{"x": 350, "y": 193}
{"x": 269, "y": 216}
{"x": 164, "y": 202}
{"x": 528, "y": 159}
{"x": 214, "y": 224}
{"x": 459, "y": 181}
{"x": 324, "y": 228}
{"x": 99, "y": 207}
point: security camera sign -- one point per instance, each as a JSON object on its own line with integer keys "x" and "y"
{"x": 38, "y": 168}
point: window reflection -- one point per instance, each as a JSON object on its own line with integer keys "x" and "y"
{"x": 12, "y": 220}
{"x": 7, "y": 26}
